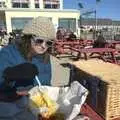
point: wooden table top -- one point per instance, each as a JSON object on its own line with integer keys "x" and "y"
{"x": 90, "y": 50}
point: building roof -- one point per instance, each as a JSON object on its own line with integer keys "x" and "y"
{"x": 92, "y": 21}
{"x": 116, "y": 23}
{"x": 39, "y": 10}
{"x": 100, "y": 21}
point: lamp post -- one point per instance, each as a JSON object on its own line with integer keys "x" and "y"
{"x": 80, "y": 25}
{"x": 80, "y": 5}
{"x": 95, "y": 25}
{"x": 87, "y": 13}
{"x": 96, "y": 21}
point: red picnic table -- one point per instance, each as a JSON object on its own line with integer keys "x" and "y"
{"x": 61, "y": 46}
{"x": 88, "y": 42}
{"x": 62, "y": 43}
{"x": 100, "y": 51}
{"x": 88, "y": 111}
{"x": 112, "y": 44}
{"x": 82, "y": 43}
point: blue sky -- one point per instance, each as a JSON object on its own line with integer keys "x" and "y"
{"x": 105, "y": 8}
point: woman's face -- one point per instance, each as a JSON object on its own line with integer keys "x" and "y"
{"x": 40, "y": 46}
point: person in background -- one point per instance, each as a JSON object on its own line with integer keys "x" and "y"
{"x": 60, "y": 33}
{"x": 72, "y": 36}
{"x": 34, "y": 48}
{"x": 100, "y": 41}
{"x": 69, "y": 35}
{"x": 5, "y": 39}
{"x": 11, "y": 38}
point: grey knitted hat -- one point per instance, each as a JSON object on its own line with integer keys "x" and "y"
{"x": 41, "y": 27}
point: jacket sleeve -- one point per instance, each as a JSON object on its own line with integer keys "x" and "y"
{"x": 4, "y": 63}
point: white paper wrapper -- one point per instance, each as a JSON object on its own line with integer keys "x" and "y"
{"x": 68, "y": 99}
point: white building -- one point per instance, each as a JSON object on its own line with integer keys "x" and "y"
{"x": 109, "y": 28}
{"x": 14, "y": 14}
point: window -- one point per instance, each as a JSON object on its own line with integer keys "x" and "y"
{"x": 52, "y": 6}
{"x": 48, "y": 6}
{"x": 16, "y": 5}
{"x": 55, "y": 6}
{"x": 2, "y": 4}
{"x": 2, "y": 25}
{"x": 25, "y": 5}
{"x": 20, "y": 3}
{"x": 37, "y": 5}
{"x": 19, "y": 23}
{"x": 68, "y": 23}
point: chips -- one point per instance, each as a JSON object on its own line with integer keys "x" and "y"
{"x": 43, "y": 105}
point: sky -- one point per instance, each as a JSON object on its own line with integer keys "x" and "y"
{"x": 105, "y": 9}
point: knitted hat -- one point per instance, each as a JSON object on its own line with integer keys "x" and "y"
{"x": 41, "y": 27}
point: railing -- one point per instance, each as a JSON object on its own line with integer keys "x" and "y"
{"x": 21, "y": 1}
{"x": 51, "y": 1}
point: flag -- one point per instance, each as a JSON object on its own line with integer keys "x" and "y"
{"x": 80, "y": 5}
{"x": 97, "y": 1}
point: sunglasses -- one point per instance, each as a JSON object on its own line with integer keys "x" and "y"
{"x": 41, "y": 41}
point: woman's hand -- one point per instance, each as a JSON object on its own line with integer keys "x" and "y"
{"x": 22, "y": 92}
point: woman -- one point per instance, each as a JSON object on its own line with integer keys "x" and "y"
{"x": 33, "y": 48}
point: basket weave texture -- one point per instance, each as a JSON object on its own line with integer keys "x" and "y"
{"x": 41, "y": 27}
{"x": 103, "y": 82}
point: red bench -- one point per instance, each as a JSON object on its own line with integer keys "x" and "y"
{"x": 88, "y": 111}
{"x": 100, "y": 51}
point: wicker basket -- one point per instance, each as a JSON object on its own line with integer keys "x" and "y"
{"x": 103, "y": 82}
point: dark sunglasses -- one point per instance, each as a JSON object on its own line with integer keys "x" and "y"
{"x": 40, "y": 41}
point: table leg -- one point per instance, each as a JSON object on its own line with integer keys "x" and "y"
{"x": 85, "y": 55}
{"x": 113, "y": 57}
{"x": 78, "y": 55}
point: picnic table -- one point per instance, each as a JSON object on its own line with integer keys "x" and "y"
{"x": 91, "y": 113}
{"x": 61, "y": 46}
{"x": 101, "y": 51}
{"x": 68, "y": 42}
{"x": 88, "y": 111}
{"x": 82, "y": 43}
{"x": 112, "y": 44}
